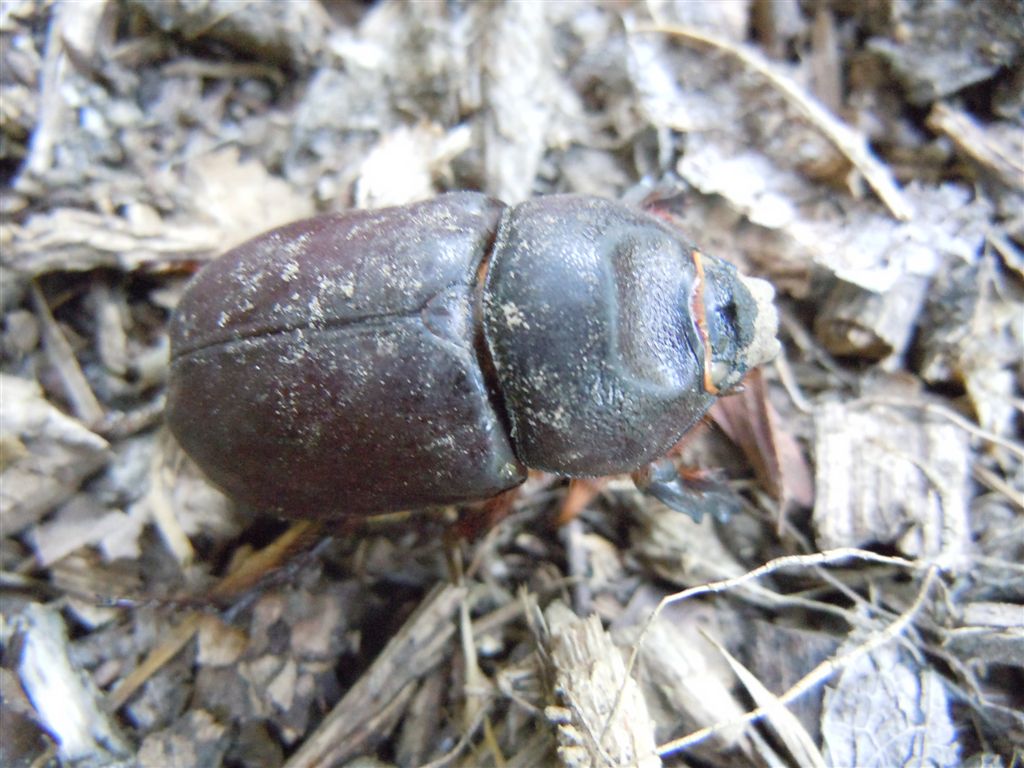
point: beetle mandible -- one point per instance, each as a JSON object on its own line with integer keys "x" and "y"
{"x": 374, "y": 361}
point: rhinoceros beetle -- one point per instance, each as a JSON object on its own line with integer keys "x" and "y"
{"x": 381, "y": 360}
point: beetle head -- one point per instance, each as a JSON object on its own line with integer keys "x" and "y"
{"x": 739, "y": 323}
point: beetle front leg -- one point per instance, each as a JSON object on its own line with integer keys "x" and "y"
{"x": 692, "y": 493}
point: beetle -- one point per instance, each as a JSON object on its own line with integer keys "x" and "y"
{"x": 382, "y": 360}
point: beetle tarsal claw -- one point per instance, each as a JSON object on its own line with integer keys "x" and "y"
{"x": 765, "y": 345}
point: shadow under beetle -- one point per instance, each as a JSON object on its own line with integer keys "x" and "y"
{"x": 374, "y": 361}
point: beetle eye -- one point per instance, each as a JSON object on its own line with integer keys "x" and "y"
{"x": 729, "y": 313}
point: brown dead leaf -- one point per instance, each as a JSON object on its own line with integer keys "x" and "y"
{"x": 752, "y": 423}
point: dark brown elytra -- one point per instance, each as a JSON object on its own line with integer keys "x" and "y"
{"x": 374, "y": 361}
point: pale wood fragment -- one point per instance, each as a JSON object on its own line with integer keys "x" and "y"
{"x": 519, "y": 86}
{"x": 83, "y": 400}
{"x": 884, "y": 476}
{"x": 1000, "y": 154}
{"x": 601, "y": 715}
{"x": 858, "y": 322}
{"x": 44, "y": 454}
{"x": 65, "y": 699}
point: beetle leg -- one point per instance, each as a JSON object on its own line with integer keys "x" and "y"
{"x": 483, "y": 516}
{"x": 700, "y": 317}
{"x": 692, "y": 493}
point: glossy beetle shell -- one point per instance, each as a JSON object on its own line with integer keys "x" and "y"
{"x": 355, "y": 363}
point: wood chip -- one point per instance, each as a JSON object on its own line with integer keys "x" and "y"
{"x": 877, "y": 719}
{"x": 519, "y": 84}
{"x": 290, "y": 34}
{"x": 78, "y": 240}
{"x": 64, "y": 698}
{"x": 887, "y": 476}
{"x": 196, "y": 739}
{"x": 601, "y": 715}
{"x": 865, "y": 324}
{"x": 46, "y": 454}
{"x": 1000, "y": 153}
